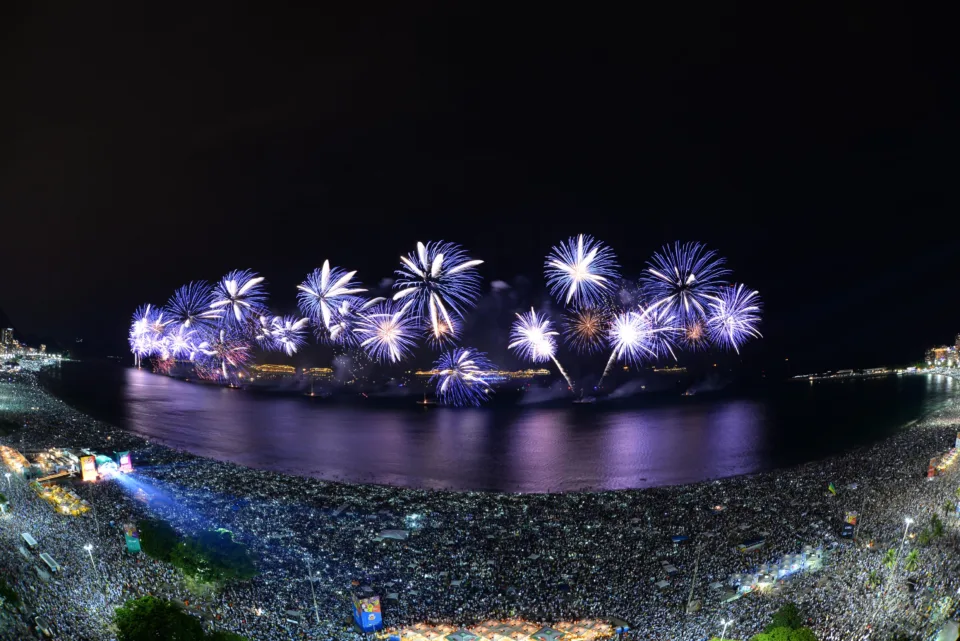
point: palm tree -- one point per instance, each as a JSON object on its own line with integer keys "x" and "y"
{"x": 912, "y": 562}
{"x": 873, "y": 579}
{"x": 890, "y": 559}
{"x": 957, "y": 493}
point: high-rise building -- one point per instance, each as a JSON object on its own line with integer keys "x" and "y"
{"x": 945, "y": 356}
{"x": 7, "y": 337}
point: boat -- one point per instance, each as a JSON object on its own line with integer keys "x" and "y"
{"x": 584, "y": 400}
{"x": 688, "y": 393}
{"x": 426, "y": 402}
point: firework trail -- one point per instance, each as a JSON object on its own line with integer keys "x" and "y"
{"x": 579, "y": 271}
{"x": 685, "y": 277}
{"x": 638, "y": 335}
{"x": 733, "y": 317}
{"x": 534, "y": 339}
{"x": 459, "y": 377}
{"x": 325, "y": 291}
{"x": 386, "y": 331}
{"x": 282, "y": 333}
{"x": 240, "y": 297}
{"x": 226, "y": 350}
{"x": 441, "y": 281}
{"x": 585, "y": 329}
{"x": 190, "y": 307}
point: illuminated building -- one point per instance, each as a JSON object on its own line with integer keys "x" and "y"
{"x": 7, "y": 337}
{"x": 268, "y": 372}
{"x": 945, "y": 356}
{"x": 318, "y": 372}
{"x": 495, "y": 375}
{"x": 267, "y": 368}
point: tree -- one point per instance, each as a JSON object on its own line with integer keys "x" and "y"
{"x": 890, "y": 558}
{"x": 151, "y": 619}
{"x": 949, "y": 507}
{"x": 957, "y": 493}
{"x": 223, "y": 635}
{"x": 157, "y": 539}
{"x": 912, "y": 562}
{"x": 8, "y": 594}
{"x": 936, "y": 525}
{"x": 214, "y": 556}
{"x": 788, "y": 616}
{"x": 924, "y": 537}
{"x": 785, "y": 634}
{"x": 874, "y": 579}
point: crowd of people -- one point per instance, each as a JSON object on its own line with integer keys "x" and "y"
{"x": 472, "y": 556}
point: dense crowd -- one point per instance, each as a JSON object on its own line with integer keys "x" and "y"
{"x": 473, "y": 556}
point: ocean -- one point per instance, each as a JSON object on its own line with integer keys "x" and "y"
{"x": 639, "y": 441}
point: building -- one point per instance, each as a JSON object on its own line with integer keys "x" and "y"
{"x": 944, "y": 356}
{"x": 7, "y": 337}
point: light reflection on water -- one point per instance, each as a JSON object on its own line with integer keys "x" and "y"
{"x": 638, "y": 443}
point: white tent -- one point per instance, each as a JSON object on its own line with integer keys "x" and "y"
{"x": 949, "y": 632}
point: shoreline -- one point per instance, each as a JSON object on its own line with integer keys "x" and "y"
{"x": 592, "y": 554}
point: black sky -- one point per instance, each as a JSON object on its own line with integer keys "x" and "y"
{"x": 816, "y": 150}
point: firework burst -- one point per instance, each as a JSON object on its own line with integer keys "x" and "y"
{"x": 579, "y": 271}
{"x": 147, "y": 332}
{"x": 226, "y": 352}
{"x": 534, "y": 339}
{"x": 640, "y": 335}
{"x": 684, "y": 278}
{"x": 585, "y": 329}
{"x": 181, "y": 342}
{"x": 459, "y": 377}
{"x": 386, "y": 331}
{"x": 733, "y": 317}
{"x": 190, "y": 307}
{"x": 441, "y": 281}
{"x": 239, "y": 296}
{"x": 694, "y": 336}
{"x": 282, "y": 333}
{"x": 325, "y": 291}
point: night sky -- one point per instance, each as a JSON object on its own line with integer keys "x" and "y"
{"x": 817, "y": 151}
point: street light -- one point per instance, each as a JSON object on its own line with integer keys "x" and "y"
{"x": 724, "y": 631}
